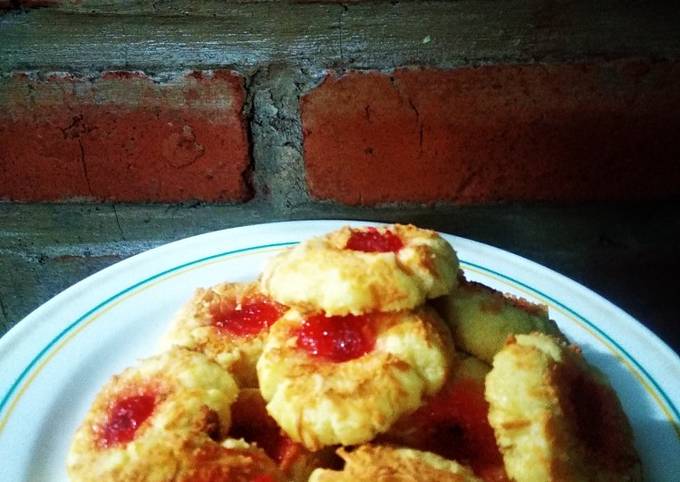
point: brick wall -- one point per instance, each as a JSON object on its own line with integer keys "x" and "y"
{"x": 143, "y": 106}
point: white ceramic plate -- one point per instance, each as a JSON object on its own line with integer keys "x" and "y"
{"x": 54, "y": 361}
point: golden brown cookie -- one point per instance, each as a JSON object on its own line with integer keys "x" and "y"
{"x": 383, "y": 463}
{"x": 232, "y": 461}
{"x": 342, "y": 380}
{"x": 481, "y": 318}
{"x": 227, "y": 322}
{"x": 360, "y": 270}
{"x": 145, "y": 416}
{"x": 556, "y": 418}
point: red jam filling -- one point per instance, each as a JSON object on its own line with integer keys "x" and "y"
{"x": 371, "y": 240}
{"x": 263, "y": 478}
{"x": 454, "y": 425}
{"x": 337, "y": 338}
{"x": 124, "y": 418}
{"x": 248, "y": 319}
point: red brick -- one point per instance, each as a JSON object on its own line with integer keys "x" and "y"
{"x": 608, "y": 131}
{"x": 123, "y": 137}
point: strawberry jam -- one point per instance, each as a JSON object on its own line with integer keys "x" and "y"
{"x": 454, "y": 425}
{"x": 248, "y": 319}
{"x": 124, "y": 418}
{"x": 373, "y": 241}
{"x": 463, "y": 408}
{"x": 337, "y": 338}
{"x": 263, "y": 478}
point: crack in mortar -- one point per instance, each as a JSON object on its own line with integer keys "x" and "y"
{"x": 120, "y": 229}
{"x": 3, "y": 310}
{"x": 341, "y": 26}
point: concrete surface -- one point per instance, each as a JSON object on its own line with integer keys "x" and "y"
{"x": 106, "y": 34}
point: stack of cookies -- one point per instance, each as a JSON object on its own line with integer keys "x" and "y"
{"x": 337, "y": 364}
